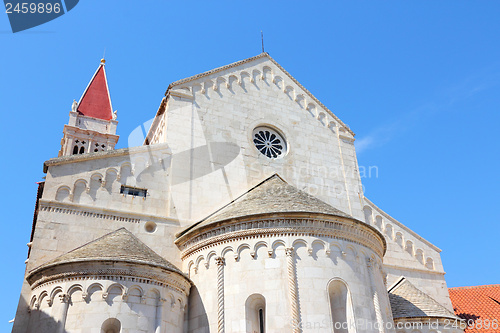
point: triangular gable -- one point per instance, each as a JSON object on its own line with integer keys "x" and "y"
{"x": 96, "y": 101}
{"x": 303, "y": 90}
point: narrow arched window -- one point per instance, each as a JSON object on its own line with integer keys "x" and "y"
{"x": 82, "y": 150}
{"x": 255, "y": 311}
{"x": 75, "y": 150}
{"x": 341, "y": 307}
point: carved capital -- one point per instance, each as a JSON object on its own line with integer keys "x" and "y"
{"x": 220, "y": 261}
{"x": 105, "y": 296}
{"x": 143, "y": 299}
{"x": 253, "y": 254}
{"x": 85, "y": 296}
{"x": 64, "y": 298}
{"x": 289, "y": 251}
{"x": 310, "y": 251}
{"x": 270, "y": 253}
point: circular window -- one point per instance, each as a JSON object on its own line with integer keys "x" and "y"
{"x": 269, "y": 142}
{"x": 150, "y": 226}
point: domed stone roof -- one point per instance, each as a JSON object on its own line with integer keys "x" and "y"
{"x": 118, "y": 246}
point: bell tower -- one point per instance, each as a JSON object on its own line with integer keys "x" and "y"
{"x": 92, "y": 122}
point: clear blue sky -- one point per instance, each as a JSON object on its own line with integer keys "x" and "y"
{"x": 417, "y": 81}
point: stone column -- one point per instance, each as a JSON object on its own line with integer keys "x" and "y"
{"x": 64, "y": 312}
{"x": 376, "y": 301}
{"x": 159, "y": 314}
{"x": 220, "y": 294}
{"x": 292, "y": 289}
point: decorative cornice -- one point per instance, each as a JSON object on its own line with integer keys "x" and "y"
{"x": 353, "y": 232}
{"x": 167, "y": 280}
{"x": 105, "y": 154}
{"x": 103, "y": 213}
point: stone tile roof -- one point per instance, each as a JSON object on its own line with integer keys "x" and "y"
{"x": 120, "y": 245}
{"x": 273, "y": 195}
{"x": 409, "y": 302}
{"x": 479, "y": 304}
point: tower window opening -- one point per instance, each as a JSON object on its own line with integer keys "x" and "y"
{"x": 75, "y": 150}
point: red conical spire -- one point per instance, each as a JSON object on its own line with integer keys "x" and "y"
{"x": 95, "y": 101}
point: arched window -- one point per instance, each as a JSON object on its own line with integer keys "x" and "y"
{"x": 75, "y": 150}
{"x": 111, "y": 325}
{"x": 255, "y": 310}
{"x": 341, "y": 307}
{"x": 82, "y": 149}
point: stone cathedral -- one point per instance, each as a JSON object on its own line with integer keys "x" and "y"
{"x": 239, "y": 210}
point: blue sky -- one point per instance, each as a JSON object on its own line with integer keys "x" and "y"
{"x": 417, "y": 81}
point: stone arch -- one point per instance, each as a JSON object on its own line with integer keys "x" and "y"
{"x": 33, "y": 302}
{"x": 232, "y": 79}
{"x": 115, "y": 286}
{"x": 135, "y": 290}
{"x": 110, "y": 178}
{"x": 409, "y": 247}
{"x": 220, "y": 81}
{"x": 299, "y": 241}
{"x": 399, "y": 239}
{"x": 210, "y": 255}
{"x": 125, "y": 172}
{"x": 258, "y": 245}
{"x": 79, "y": 190}
{"x": 241, "y": 248}
{"x": 419, "y": 254}
{"x": 290, "y": 92}
{"x": 63, "y": 194}
{"x": 368, "y": 214}
{"x": 244, "y": 75}
{"x": 54, "y": 293}
{"x": 198, "y": 261}
{"x": 95, "y": 183}
{"x": 311, "y": 108}
{"x": 279, "y": 82}
{"x": 267, "y": 71}
{"x": 429, "y": 263}
{"x": 226, "y": 250}
{"x": 389, "y": 231}
{"x": 332, "y": 125}
{"x": 300, "y": 100}
{"x": 255, "y": 75}
{"x": 322, "y": 118}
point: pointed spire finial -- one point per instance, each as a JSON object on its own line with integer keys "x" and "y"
{"x": 103, "y": 61}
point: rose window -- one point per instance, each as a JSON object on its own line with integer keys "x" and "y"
{"x": 269, "y": 142}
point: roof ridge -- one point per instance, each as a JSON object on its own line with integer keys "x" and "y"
{"x": 474, "y": 287}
